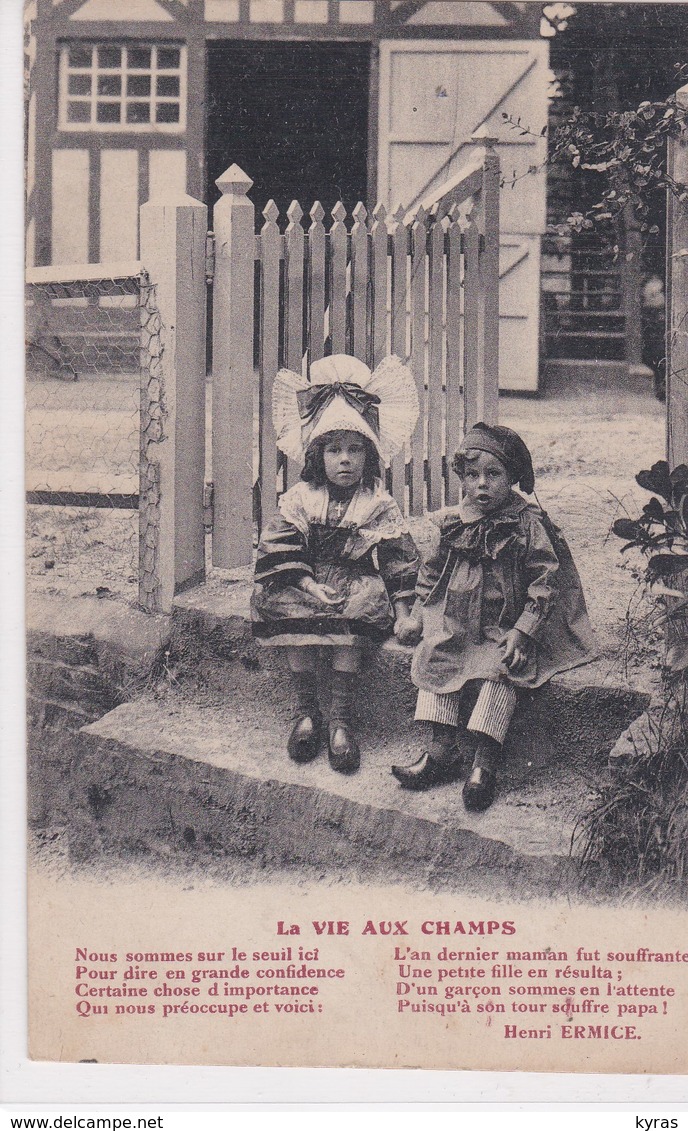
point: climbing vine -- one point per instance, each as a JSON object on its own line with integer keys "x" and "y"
{"x": 627, "y": 149}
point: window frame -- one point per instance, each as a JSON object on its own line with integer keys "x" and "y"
{"x": 122, "y": 99}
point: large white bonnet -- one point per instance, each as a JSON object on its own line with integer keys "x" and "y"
{"x": 386, "y": 416}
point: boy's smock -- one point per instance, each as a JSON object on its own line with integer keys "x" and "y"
{"x": 510, "y": 569}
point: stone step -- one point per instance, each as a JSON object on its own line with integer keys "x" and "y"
{"x": 187, "y": 774}
{"x": 200, "y": 769}
{"x": 160, "y": 778}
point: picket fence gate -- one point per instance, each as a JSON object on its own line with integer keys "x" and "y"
{"x": 423, "y": 286}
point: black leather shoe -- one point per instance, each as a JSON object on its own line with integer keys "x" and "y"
{"x": 304, "y": 740}
{"x": 479, "y": 790}
{"x": 344, "y": 754}
{"x": 429, "y": 771}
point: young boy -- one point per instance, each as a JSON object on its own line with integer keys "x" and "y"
{"x": 499, "y": 607}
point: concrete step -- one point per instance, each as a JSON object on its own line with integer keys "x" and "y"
{"x": 201, "y": 769}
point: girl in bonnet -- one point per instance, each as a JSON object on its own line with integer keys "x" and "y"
{"x": 499, "y": 607}
{"x": 336, "y": 566}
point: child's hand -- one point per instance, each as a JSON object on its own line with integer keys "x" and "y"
{"x": 517, "y": 649}
{"x": 323, "y": 593}
{"x": 408, "y": 629}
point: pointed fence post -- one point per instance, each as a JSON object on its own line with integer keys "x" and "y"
{"x": 234, "y": 380}
{"x": 419, "y": 352}
{"x": 294, "y": 246}
{"x": 359, "y": 283}
{"x": 399, "y": 331}
{"x": 269, "y": 357}
{"x": 316, "y": 284}
{"x": 473, "y": 369}
{"x": 378, "y": 272}
{"x": 338, "y": 241}
{"x": 489, "y": 282}
{"x": 171, "y": 532}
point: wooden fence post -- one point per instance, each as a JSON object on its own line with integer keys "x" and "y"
{"x": 233, "y": 372}
{"x": 171, "y": 532}
{"x": 268, "y": 332}
{"x": 677, "y": 299}
{"x": 489, "y": 279}
{"x": 472, "y": 327}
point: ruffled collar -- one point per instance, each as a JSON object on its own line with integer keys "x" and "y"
{"x": 371, "y": 515}
{"x": 487, "y": 536}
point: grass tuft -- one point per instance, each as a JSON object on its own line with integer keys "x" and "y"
{"x": 637, "y": 832}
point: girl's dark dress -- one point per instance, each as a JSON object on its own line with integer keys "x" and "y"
{"x": 367, "y": 556}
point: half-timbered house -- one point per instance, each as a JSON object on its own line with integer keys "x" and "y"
{"x": 324, "y": 100}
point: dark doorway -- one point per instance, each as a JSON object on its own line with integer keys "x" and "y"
{"x": 294, "y": 116}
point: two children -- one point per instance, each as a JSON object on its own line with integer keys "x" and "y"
{"x": 499, "y": 607}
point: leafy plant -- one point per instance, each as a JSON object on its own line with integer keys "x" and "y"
{"x": 661, "y": 533}
{"x": 626, "y": 148}
{"x": 638, "y": 829}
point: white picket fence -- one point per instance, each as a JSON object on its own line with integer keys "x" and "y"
{"x": 424, "y": 286}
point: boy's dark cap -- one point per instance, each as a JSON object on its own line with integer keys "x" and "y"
{"x": 507, "y": 446}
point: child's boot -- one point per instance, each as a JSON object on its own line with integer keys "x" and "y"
{"x": 439, "y": 764}
{"x": 344, "y": 754}
{"x": 304, "y": 740}
{"x": 480, "y": 788}
{"x": 489, "y": 723}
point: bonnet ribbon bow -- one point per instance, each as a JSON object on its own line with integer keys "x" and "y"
{"x": 312, "y": 402}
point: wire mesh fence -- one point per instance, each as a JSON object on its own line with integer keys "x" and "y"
{"x": 87, "y": 341}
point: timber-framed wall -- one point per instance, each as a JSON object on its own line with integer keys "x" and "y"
{"x": 87, "y": 185}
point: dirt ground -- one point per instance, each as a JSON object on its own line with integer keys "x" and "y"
{"x": 586, "y": 448}
{"x": 82, "y": 436}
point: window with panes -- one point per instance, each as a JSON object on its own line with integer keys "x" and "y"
{"x": 110, "y": 86}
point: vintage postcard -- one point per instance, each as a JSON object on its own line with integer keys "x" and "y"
{"x": 357, "y": 523}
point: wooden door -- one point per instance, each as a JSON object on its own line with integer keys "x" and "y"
{"x": 434, "y": 95}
